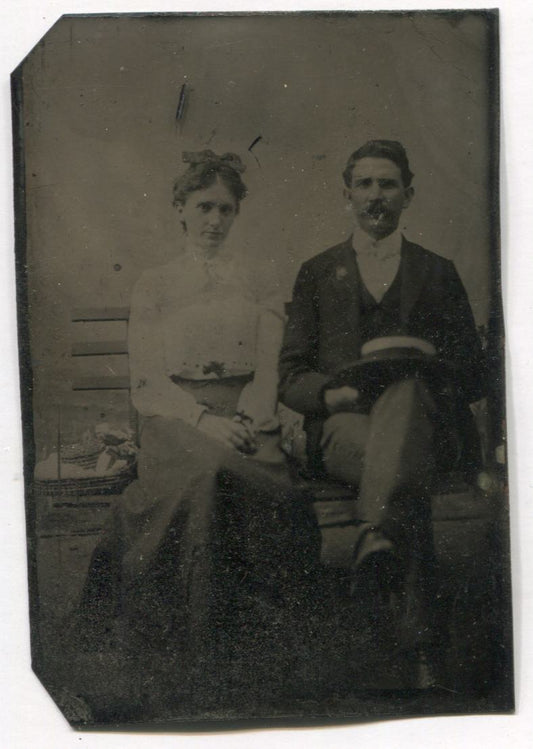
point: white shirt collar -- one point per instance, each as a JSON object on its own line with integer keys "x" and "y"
{"x": 198, "y": 254}
{"x": 381, "y": 249}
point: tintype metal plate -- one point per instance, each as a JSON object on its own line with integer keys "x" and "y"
{"x": 104, "y": 107}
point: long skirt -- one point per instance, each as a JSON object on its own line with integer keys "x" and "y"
{"x": 212, "y": 555}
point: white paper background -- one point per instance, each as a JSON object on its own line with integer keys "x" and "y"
{"x": 28, "y": 717}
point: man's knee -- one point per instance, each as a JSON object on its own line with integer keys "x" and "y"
{"x": 409, "y": 396}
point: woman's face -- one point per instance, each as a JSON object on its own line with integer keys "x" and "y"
{"x": 208, "y": 215}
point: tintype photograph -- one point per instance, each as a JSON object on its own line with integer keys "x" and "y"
{"x": 262, "y": 377}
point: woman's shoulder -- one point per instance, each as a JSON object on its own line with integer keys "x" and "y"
{"x": 152, "y": 291}
{"x": 157, "y": 277}
{"x": 264, "y": 284}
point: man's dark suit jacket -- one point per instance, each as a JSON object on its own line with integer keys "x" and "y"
{"x": 322, "y": 332}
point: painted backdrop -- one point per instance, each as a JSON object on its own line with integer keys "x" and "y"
{"x": 103, "y": 144}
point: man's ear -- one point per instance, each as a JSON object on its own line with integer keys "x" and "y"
{"x": 408, "y": 196}
{"x": 347, "y": 194}
{"x": 179, "y": 209}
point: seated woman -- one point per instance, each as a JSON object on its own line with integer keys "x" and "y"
{"x": 211, "y": 544}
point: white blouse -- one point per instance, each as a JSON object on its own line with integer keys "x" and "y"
{"x": 194, "y": 318}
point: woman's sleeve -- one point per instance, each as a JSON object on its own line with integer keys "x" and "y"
{"x": 274, "y": 305}
{"x": 263, "y": 285}
{"x": 259, "y": 398}
{"x": 152, "y": 391}
{"x": 270, "y": 326}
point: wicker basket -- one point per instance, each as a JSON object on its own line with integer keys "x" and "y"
{"x": 82, "y": 487}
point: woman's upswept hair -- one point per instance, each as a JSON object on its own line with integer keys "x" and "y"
{"x": 204, "y": 169}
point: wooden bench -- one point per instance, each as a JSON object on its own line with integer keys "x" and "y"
{"x": 101, "y": 348}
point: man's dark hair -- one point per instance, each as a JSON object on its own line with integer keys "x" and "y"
{"x": 380, "y": 149}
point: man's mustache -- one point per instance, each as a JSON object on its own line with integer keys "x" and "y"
{"x": 375, "y": 209}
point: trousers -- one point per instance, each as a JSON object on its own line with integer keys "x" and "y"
{"x": 391, "y": 454}
{"x": 385, "y": 451}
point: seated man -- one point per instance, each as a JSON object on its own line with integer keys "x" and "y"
{"x": 390, "y": 441}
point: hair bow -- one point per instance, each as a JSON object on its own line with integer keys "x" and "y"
{"x": 195, "y": 158}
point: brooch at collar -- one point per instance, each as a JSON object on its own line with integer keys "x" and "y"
{"x": 341, "y": 272}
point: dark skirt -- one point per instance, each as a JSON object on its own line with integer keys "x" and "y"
{"x": 212, "y": 555}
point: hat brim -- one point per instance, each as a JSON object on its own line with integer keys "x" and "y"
{"x": 381, "y": 368}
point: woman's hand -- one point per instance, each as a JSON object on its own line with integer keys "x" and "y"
{"x": 232, "y": 433}
{"x": 258, "y": 403}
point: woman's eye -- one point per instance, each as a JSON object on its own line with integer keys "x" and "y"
{"x": 226, "y": 210}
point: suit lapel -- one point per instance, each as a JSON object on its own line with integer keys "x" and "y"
{"x": 343, "y": 303}
{"x": 352, "y": 281}
{"x": 414, "y": 271}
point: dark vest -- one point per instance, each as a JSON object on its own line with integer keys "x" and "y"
{"x": 381, "y": 318}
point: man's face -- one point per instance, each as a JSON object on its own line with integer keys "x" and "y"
{"x": 377, "y": 196}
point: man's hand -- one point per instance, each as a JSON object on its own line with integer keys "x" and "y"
{"x": 340, "y": 399}
{"x": 232, "y": 433}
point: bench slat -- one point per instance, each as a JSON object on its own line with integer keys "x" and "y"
{"x": 100, "y": 314}
{"x": 105, "y": 382}
{"x": 99, "y": 348}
